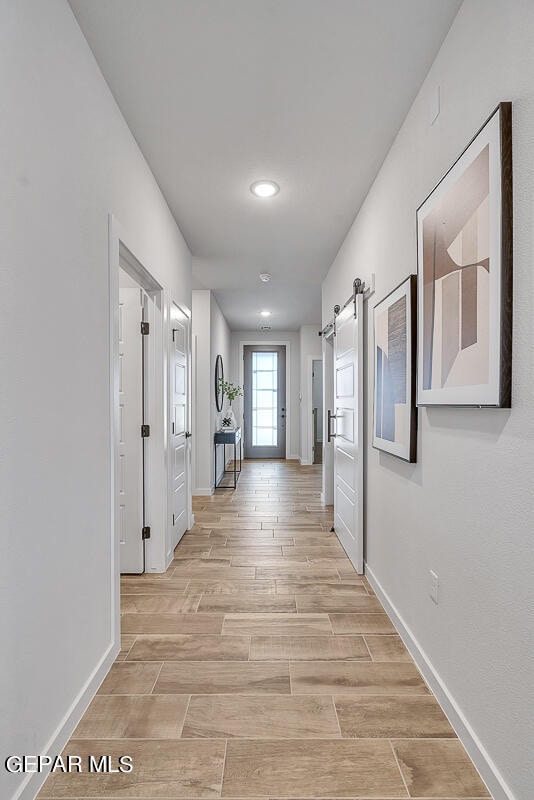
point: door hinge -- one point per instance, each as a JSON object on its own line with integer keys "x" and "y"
{"x": 145, "y": 431}
{"x": 145, "y": 532}
{"x": 173, "y": 519}
{"x": 145, "y": 328}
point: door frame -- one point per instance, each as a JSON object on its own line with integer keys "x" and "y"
{"x": 327, "y": 493}
{"x": 311, "y": 439}
{"x": 188, "y": 426}
{"x": 307, "y": 442}
{"x": 122, "y": 251}
{"x": 241, "y": 371}
{"x": 281, "y": 352}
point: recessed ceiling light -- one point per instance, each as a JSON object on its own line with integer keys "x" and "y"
{"x": 265, "y": 313}
{"x": 265, "y": 277}
{"x": 264, "y": 188}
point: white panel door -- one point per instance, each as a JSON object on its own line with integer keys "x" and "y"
{"x": 130, "y": 421}
{"x": 179, "y": 406}
{"x": 348, "y": 440}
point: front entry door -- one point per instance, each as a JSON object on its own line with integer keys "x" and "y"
{"x": 265, "y": 401}
{"x": 179, "y": 393}
{"x": 348, "y": 439}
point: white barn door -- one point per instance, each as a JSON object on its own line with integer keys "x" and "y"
{"x": 348, "y": 438}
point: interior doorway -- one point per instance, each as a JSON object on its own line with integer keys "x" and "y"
{"x": 180, "y": 427}
{"x": 265, "y": 401}
{"x": 138, "y": 366}
{"x": 139, "y": 308}
{"x": 132, "y": 388}
{"x": 317, "y": 411}
{"x": 327, "y": 494}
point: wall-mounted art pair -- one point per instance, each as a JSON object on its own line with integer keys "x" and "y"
{"x": 464, "y": 297}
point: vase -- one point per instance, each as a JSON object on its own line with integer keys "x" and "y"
{"x": 228, "y": 420}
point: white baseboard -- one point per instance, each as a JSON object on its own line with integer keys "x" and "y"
{"x": 305, "y": 462}
{"x": 477, "y": 752}
{"x": 202, "y": 492}
{"x": 292, "y": 458}
{"x": 33, "y": 782}
{"x": 322, "y": 498}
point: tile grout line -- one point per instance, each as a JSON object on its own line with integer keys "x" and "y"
{"x": 398, "y": 766}
{"x": 151, "y": 692}
{"x": 369, "y": 649}
{"x": 337, "y": 717}
{"x": 223, "y": 766}
{"x": 185, "y": 715}
{"x": 130, "y": 648}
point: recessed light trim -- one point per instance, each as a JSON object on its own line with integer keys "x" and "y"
{"x": 265, "y": 313}
{"x": 265, "y": 277}
{"x": 264, "y": 188}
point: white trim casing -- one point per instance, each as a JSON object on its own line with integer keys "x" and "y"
{"x": 124, "y": 251}
{"x": 474, "y": 747}
{"x": 167, "y": 434}
{"x": 306, "y": 411}
{"x": 327, "y": 493}
{"x": 289, "y": 387}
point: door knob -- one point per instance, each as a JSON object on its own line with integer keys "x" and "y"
{"x": 188, "y": 435}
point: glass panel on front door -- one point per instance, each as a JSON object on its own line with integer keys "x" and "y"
{"x": 264, "y": 399}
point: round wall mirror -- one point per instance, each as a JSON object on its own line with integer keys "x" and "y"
{"x": 219, "y": 376}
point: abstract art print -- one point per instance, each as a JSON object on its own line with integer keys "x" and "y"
{"x": 395, "y": 414}
{"x": 464, "y": 253}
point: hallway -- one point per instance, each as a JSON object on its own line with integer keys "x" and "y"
{"x": 261, "y": 630}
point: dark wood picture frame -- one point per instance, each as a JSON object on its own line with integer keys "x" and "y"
{"x": 407, "y": 448}
{"x": 219, "y": 374}
{"x": 448, "y": 365}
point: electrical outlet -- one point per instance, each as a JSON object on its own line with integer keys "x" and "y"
{"x": 434, "y": 586}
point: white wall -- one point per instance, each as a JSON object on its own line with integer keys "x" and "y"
{"x": 67, "y": 160}
{"x": 202, "y": 393}
{"x": 211, "y": 337}
{"x": 220, "y": 344}
{"x": 466, "y": 508}
{"x": 310, "y": 348}
{"x": 292, "y": 339}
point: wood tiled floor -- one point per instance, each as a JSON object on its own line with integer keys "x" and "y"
{"x": 262, "y": 666}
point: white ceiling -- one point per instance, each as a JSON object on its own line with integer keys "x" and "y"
{"x": 220, "y": 93}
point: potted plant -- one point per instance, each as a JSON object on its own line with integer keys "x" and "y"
{"x": 231, "y": 391}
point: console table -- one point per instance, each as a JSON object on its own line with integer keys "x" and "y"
{"x": 224, "y": 438}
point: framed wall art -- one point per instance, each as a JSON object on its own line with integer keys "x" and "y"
{"x": 395, "y": 413}
{"x": 464, "y": 254}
